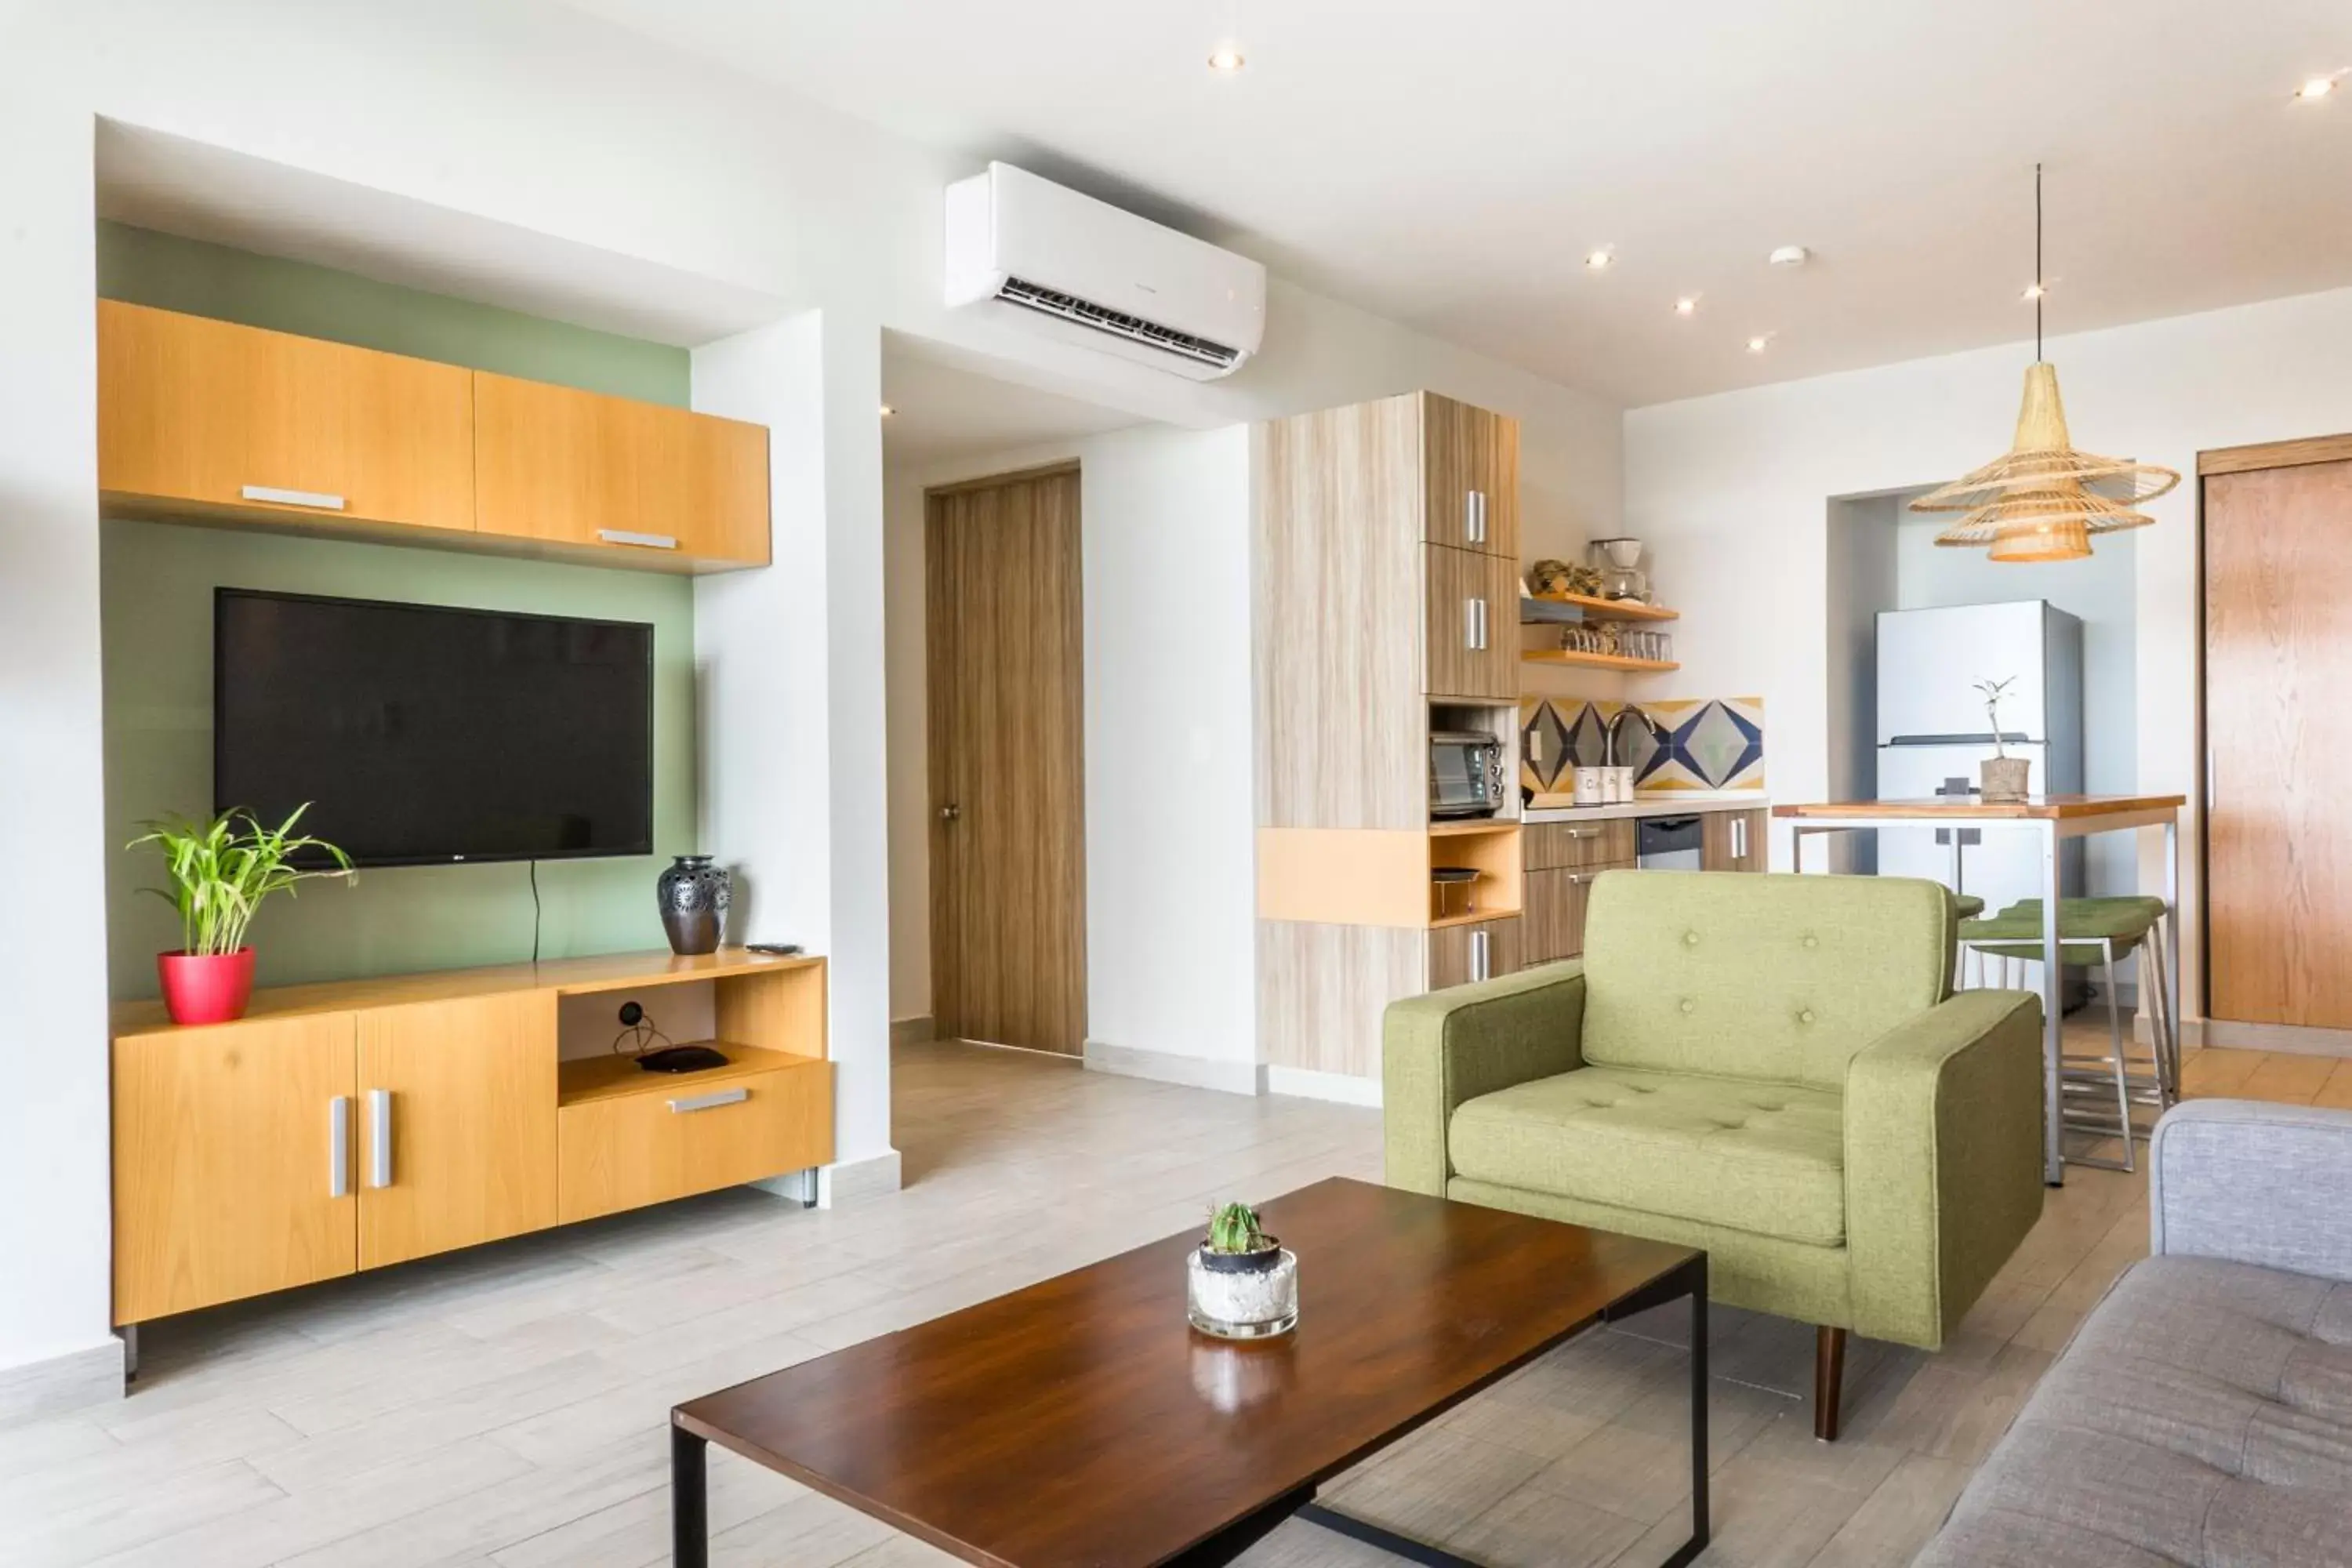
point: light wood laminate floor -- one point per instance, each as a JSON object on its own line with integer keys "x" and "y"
{"x": 506, "y": 1407}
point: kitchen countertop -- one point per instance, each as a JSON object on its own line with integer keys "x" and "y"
{"x": 1654, "y": 805}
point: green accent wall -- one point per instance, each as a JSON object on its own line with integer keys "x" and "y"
{"x": 146, "y": 268}
{"x": 156, "y": 594}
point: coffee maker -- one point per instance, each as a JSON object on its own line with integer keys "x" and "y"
{"x": 1619, "y": 561}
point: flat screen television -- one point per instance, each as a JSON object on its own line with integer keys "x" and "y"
{"x": 422, "y": 734}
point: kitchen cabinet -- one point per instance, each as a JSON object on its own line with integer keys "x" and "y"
{"x": 611, "y": 474}
{"x": 456, "y": 1112}
{"x": 1732, "y": 841}
{"x": 1593, "y": 843}
{"x": 1470, "y": 475}
{"x": 1463, "y": 954}
{"x": 1470, "y": 638}
{"x": 205, "y": 419}
{"x": 1555, "y": 901}
{"x": 232, "y": 1163}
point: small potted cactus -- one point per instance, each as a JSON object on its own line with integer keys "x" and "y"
{"x": 1240, "y": 1283}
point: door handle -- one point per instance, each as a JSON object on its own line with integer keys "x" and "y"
{"x": 379, "y": 1138}
{"x": 1473, "y": 515}
{"x": 710, "y": 1102}
{"x": 1739, "y": 839}
{"x": 339, "y": 1146}
{"x": 322, "y": 499}
{"x": 643, "y": 540}
{"x": 950, "y": 812}
{"x": 1480, "y": 963}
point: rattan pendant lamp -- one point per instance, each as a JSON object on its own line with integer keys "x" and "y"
{"x": 2042, "y": 500}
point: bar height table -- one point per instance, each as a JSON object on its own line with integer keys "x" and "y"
{"x": 2052, "y": 820}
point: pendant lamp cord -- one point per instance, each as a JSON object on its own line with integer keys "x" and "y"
{"x": 2038, "y": 290}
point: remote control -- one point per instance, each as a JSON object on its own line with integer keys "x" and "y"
{"x": 774, "y": 949}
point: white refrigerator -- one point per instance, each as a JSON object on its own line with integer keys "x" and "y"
{"x": 1933, "y": 732}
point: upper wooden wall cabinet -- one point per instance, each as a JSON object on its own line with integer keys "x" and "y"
{"x": 208, "y": 421}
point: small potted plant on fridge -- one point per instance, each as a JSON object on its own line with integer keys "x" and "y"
{"x": 1240, "y": 1283}
{"x": 2001, "y": 776}
{"x": 220, "y": 872}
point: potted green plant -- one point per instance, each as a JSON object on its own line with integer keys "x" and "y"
{"x": 2001, "y": 776}
{"x": 1240, "y": 1283}
{"x": 220, "y": 872}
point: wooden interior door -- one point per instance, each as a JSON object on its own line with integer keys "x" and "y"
{"x": 2278, "y": 734}
{"x": 1007, "y": 774}
{"x": 470, "y": 1106}
{"x": 226, "y": 1182}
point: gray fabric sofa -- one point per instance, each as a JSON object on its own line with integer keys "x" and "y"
{"x": 2203, "y": 1413}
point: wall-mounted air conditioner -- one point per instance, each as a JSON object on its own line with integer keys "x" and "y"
{"x": 1058, "y": 262}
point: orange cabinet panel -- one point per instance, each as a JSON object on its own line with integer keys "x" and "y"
{"x": 640, "y": 479}
{"x": 208, "y": 419}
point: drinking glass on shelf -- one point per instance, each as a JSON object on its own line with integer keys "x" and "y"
{"x": 1666, "y": 644}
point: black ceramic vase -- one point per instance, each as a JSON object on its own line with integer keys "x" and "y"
{"x": 694, "y": 896}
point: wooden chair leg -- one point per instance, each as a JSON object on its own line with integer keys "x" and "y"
{"x": 1829, "y": 1376}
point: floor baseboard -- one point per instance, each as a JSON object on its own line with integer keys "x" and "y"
{"x": 2295, "y": 1039}
{"x": 914, "y": 1031}
{"x": 1343, "y": 1089}
{"x": 1166, "y": 1067}
{"x": 75, "y": 1380}
{"x": 854, "y": 1181}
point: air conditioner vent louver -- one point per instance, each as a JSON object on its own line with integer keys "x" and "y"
{"x": 1046, "y": 301}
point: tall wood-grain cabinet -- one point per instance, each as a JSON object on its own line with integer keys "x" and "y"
{"x": 1386, "y": 582}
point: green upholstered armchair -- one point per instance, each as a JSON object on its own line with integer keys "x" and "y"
{"x": 1772, "y": 1067}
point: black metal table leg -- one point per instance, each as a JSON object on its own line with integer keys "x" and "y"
{"x": 689, "y": 1500}
{"x": 1699, "y": 1520}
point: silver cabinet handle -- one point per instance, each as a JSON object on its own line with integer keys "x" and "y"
{"x": 379, "y": 1138}
{"x": 1584, "y": 833}
{"x": 339, "y": 1146}
{"x": 1739, "y": 839}
{"x": 1479, "y": 963}
{"x": 1482, "y": 623}
{"x": 323, "y": 499}
{"x": 1470, "y": 624}
{"x": 710, "y": 1102}
{"x": 1580, "y": 877}
{"x": 644, "y": 540}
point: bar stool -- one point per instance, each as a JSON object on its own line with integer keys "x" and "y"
{"x": 2088, "y": 933}
{"x": 2130, "y": 912}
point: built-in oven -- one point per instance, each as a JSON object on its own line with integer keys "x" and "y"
{"x": 1466, "y": 774}
{"x": 1668, "y": 843}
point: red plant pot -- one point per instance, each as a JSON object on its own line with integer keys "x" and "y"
{"x": 206, "y": 988}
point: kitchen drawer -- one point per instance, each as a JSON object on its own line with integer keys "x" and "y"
{"x": 1463, "y": 954}
{"x": 1550, "y": 844}
{"x": 1552, "y": 924}
{"x": 694, "y": 1135}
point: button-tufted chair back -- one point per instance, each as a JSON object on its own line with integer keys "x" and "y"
{"x": 1775, "y": 977}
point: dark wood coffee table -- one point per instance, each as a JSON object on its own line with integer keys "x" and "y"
{"x": 1082, "y": 1424}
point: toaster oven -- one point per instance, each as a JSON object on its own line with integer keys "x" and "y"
{"x": 1466, "y": 774}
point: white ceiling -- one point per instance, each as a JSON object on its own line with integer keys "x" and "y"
{"x": 1450, "y": 166}
{"x": 945, "y": 407}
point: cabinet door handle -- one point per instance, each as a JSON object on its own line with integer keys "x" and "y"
{"x": 710, "y": 1102}
{"x": 1470, "y": 624}
{"x": 339, "y": 1146}
{"x": 1584, "y": 833}
{"x": 1580, "y": 877}
{"x": 1739, "y": 839}
{"x": 324, "y": 501}
{"x": 379, "y": 1138}
{"x": 643, "y": 540}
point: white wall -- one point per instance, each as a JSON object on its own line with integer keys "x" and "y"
{"x": 541, "y": 120}
{"x": 1731, "y": 491}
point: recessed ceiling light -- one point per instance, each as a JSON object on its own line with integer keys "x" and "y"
{"x": 888, "y": 411}
{"x": 2317, "y": 88}
{"x": 1226, "y": 58}
{"x": 1758, "y": 344}
{"x": 1686, "y": 306}
{"x": 1789, "y": 256}
{"x": 1599, "y": 260}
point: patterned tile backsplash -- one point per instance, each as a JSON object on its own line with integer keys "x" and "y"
{"x": 1704, "y": 744}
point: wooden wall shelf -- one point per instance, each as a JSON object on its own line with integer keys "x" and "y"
{"x": 1609, "y": 609}
{"x": 1597, "y": 660}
